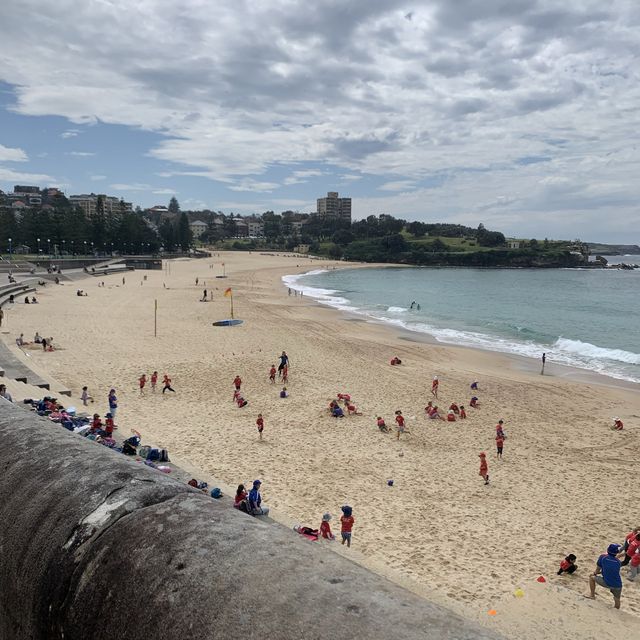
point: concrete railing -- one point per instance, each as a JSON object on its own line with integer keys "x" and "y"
{"x": 96, "y": 546}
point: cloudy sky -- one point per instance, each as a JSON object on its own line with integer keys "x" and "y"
{"x": 521, "y": 114}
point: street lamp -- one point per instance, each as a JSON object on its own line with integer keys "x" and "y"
{"x": 49, "y": 246}
{"x": 85, "y": 247}
{"x": 9, "y": 249}
{"x": 64, "y": 247}
{"x": 38, "y": 246}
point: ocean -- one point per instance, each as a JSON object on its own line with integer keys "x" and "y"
{"x": 583, "y": 318}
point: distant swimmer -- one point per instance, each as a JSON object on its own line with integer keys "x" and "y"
{"x": 413, "y": 304}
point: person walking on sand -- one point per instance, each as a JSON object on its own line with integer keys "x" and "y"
{"x": 285, "y": 374}
{"x": 484, "y": 467}
{"x": 142, "y": 381}
{"x": 500, "y": 438}
{"x": 197, "y": 280}
{"x": 434, "y": 387}
{"x": 284, "y": 362}
{"x": 204, "y": 296}
{"x": 544, "y": 360}
{"x": 400, "y": 424}
{"x": 260, "y": 425}
{"x": 113, "y": 403}
{"x": 154, "y": 381}
{"x": 607, "y": 575}
{"x": 237, "y": 383}
{"x": 272, "y": 374}
{"x": 85, "y": 397}
{"x": 346, "y": 524}
{"x": 166, "y": 381}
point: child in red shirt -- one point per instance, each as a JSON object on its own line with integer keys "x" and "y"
{"x": 260, "y": 425}
{"x": 346, "y": 524}
{"x": 500, "y": 437}
{"x": 142, "y": 381}
{"x": 434, "y": 387}
{"x": 463, "y": 413}
{"x": 96, "y": 424}
{"x": 272, "y": 373}
{"x": 352, "y": 409}
{"x": 484, "y": 467}
{"x": 454, "y": 407}
{"x": 400, "y": 424}
{"x": 109, "y": 425}
{"x": 325, "y": 527}
{"x": 154, "y": 380}
{"x": 474, "y": 402}
{"x": 237, "y": 382}
{"x": 285, "y": 374}
{"x": 618, "y": 425}
{"x": 382, "y": 425}
{"x": 568, "y": 565}
{"x": 451, "y": 416}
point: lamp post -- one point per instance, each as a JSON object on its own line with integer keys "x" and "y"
{"x": 49, "y": 247}
{"x": 85, "y": 247}
{"x": 38, "y": 247}
{"x": 10, "y": 250}
{"x": 64, "y": 246}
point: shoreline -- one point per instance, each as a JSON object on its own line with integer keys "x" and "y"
{"x": 518, "y": 361}
{"x": 437, "y": 531}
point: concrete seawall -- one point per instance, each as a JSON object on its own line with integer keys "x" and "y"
{"x": 96, "y": 546}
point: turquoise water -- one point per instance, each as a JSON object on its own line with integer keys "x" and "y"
{"x": 583, "y": 318}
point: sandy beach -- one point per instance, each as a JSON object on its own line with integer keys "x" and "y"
{"x": 564, "y": 485}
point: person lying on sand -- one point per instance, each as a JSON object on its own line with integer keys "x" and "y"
{"x": 382, "y": 425}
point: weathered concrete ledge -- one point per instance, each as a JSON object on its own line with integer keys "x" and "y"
{"x": 94, "y": 545}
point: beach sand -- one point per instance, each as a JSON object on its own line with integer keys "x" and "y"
{"x": 565, "y": 484}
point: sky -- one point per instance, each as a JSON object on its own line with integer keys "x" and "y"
{"x": 520, "y": 114}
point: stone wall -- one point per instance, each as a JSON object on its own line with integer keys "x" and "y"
{"x": 96, "y": 546}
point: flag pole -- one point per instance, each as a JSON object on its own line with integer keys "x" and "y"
{"x": 155, "y": 319}
{"x": 231, "y": 305}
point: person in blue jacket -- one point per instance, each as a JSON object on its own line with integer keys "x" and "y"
{"x": 255, "y": 500}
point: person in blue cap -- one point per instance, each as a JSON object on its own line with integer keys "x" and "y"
{"x": 607, "y": 574}
{"x": 255, "y": 501}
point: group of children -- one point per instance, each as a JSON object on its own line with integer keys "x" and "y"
{"x": 239, "y": 399}
{"x": 166, "y": 383}
{"x": 346, "y": 526}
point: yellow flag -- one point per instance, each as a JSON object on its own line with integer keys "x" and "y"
{"x": 227, "y": 293}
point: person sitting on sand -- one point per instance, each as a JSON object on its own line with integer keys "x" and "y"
{"x": 26, "y": 300}
{"x": 463, "y": 413}
{"x": 395, "y": 361}
{"x": 325, "y": 527}
{"x": 618, "y": 425}
{"x": 20, "y": 341}
{"x": 337, "y": 411}
{"x": 4, "y": 393}
{"x": 474, "y": 402}
{"x": 96, "y": 424}
{"x": 607, "y": 575}
{"x": 435, "y": 414}
{"x": 255, "y": 500}
{"x": 109, "y": 425}
{"x": 451, "y": 416}
{"x": 241, "y": 402}
{"x": 240, "y": 497}
{"x": 454, "y": 407}
{"x": 352, "y": 410}
{"x": 382, "y": 425}
{"x": 344, "y": 396}
{"x": 33, "y": 300}
{"x": 429, "y": 408}
{"x": 568, "y": 565}
{"x": 474, "y": 385}
{"x": 37, "y": 338}
{"x": 284, "y": 393}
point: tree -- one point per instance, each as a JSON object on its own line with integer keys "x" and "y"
{"x": 417, "y": 229}
{"x": 174, "y": 207}
{"x": 185, "y": 235}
